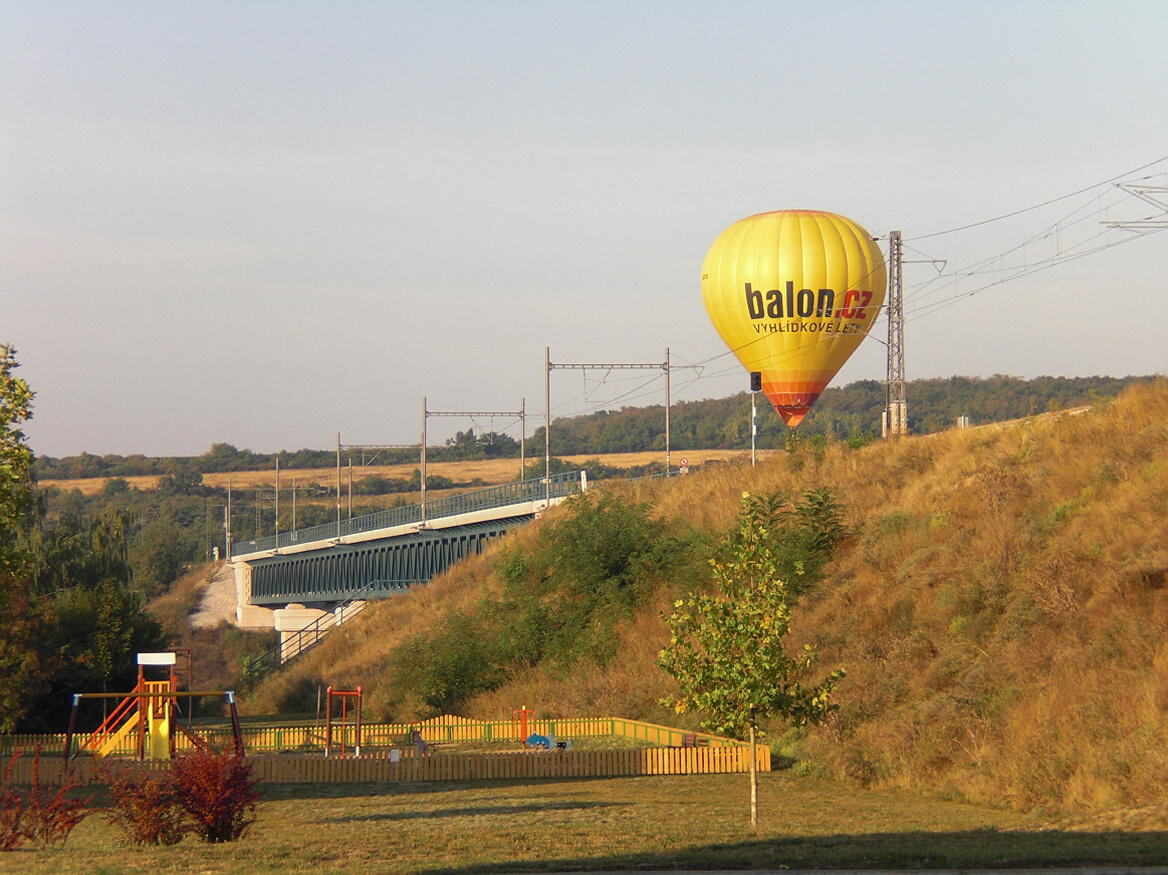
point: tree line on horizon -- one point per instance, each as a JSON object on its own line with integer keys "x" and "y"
{"x": 851, "y": 413}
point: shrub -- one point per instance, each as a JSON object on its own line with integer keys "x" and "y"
{"x": 562, "y": 596}
{"x": 12, "y": 826}
{"x": 591, "y": 569}
{"x": 217, "y": 791}
{"x": 146, "y": 808}
{"x": 46, "y": 815}
{"x": 451, "y": 663}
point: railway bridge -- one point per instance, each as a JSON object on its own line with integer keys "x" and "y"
{"x": 299, "y": 579}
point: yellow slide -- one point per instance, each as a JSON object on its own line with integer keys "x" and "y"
{"x": 115, "y": 741}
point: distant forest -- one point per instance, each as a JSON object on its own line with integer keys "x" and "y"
{"x": 850, "y": 413}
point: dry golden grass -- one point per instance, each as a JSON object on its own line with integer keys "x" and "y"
{"x": 94, "y": 485}
{"x": 490, "y": 471}
{"x": 1002, "y": 616}
{"x": 1001, "y": 611}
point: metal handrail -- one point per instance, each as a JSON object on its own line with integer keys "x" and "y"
{"x": 258, "y": 666}
{"x": 519, "y": 492}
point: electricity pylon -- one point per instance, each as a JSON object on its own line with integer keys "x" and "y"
{"x": 895, "y": 418}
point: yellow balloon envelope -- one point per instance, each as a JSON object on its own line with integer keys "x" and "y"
{"x": 792, "y": 293}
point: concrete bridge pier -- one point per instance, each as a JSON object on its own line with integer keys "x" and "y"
{"x": 291, "y": 622}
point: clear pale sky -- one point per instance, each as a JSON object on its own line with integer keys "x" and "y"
{"x": 266, "y": 223}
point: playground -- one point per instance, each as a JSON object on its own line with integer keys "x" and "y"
{"x": 442, "y": 749}
{"x": 457, "y": 794}
{"x": 461, "y": 795}
{"x": 147, "y": 726}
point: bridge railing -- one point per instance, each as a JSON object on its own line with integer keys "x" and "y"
{"x": 519, "y": 492}
{"x": 298, "y": 642}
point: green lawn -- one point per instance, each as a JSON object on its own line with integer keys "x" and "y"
{"x": 638, "y": 823}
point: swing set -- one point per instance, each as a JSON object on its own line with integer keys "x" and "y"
{"x": 148, "y": 712}
{"x": 343, "y": 697}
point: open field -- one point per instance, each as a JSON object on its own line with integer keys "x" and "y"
{"x": 634, "y": 823}
{"x": 489, "y": 471}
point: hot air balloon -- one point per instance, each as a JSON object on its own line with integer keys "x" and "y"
{"x": 793, "y": 293}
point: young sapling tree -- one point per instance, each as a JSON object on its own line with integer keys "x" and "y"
{"x": 726, "y": 650}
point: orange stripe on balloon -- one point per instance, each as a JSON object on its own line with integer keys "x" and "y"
{"x": 792, "y": 399}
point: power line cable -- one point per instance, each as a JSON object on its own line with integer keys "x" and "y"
{"x": 1063, "y": 253}
{"x": 993, "y": 263}
{"x": 935, "y": 306}
{"x": 1043, "y": 204}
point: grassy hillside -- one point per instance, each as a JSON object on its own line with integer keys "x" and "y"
{"x": 1000, "y": 609}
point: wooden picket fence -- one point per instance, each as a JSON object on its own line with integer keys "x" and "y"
{"x": 381, "y": 767}
{"x": 447, "y": 729}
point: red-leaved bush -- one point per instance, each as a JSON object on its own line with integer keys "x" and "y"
{"x": 46, "y": 813}
{"x": 12, "y": 829}
{"x": 217, "y": 791}
{"x": 145, "y": 807}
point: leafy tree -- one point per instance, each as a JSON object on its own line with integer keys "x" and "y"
{"x": 162, "y": 552}
{"x": 115, "y": 486}
{"x": 181, "y": 479}
{"x": 71, "y": 555}
{"x": 23, "y": 622}
{"x": 83, "y": 575}
{"x": 464, "y": 445}
{"x": 16, "y": 476}
{"x": 726, "y": 650}
{"x": 23, "y": 631}
{"x": 69, "y": 618}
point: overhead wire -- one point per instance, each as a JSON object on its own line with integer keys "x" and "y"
{"x": 704, "y": 369}
{"x": 947, "y": 302}
{"x": 1048, "y": 203}
{"x": 574, "y": 401}
{"x": 1003, "y": 272}
{"x": 1061, "y": 225}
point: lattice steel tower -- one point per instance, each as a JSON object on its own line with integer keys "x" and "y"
{"x": 896, "y": 408}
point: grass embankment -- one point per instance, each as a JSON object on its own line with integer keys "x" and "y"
{"x": 1001, "y": 612}
{"x": 633, "y": 823}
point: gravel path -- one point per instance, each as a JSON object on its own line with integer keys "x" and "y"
{"x": 218, "y": 602}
